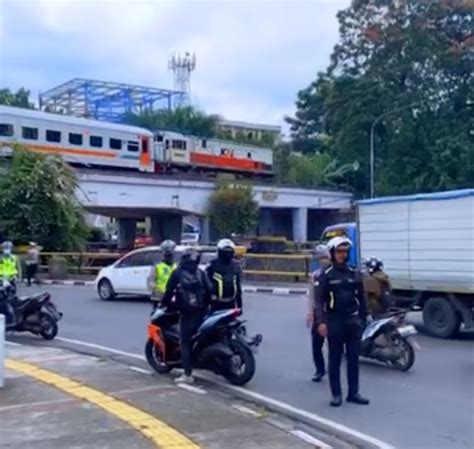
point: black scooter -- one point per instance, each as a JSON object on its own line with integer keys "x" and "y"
{"x": 36, "y": 313}
{"x": 220, "y": 345}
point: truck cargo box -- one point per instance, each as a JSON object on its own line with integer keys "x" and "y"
{"x": 426, "y": 241}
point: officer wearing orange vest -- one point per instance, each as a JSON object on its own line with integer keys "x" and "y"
{"x": 161, "y": 272}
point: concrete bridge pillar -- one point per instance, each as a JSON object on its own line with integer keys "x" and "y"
{"x": 166, "y": 226}
{"x": 205, "y": 228}
{"x": 127, "y": 228}
{"x": 300, "y": 224}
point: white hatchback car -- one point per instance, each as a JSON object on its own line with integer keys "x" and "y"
{"x": 128, "y": 275}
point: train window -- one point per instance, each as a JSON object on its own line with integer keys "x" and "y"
{"x": 133, "y": 146}
{"x": 95, "y": 141}
{"x": 115, "y": 144}
{"x": 75, "y": 139}
{"x": 29, "y": 133}
{"x": 249, "y": 155}
{"x": 204, "y": 143}
{"x": 158, "y": 138}
{"x": 167, "y": 144}
{"x": 53, "y": 136}
{"x": 6, "y": 129}
{"x": 179, "y": 144}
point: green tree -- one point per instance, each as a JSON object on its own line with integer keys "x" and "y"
{"x": 38, "y": 202}
{"x": 413, "y": 61}
{"x": 19, "y": 99}
{"x": 233, "y": 209}
{"x": 187, "y": 120}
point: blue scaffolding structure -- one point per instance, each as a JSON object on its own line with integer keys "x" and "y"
{"x": 105, "y": 100}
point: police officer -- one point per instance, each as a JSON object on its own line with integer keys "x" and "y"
{"x": 10, "y": 270}
{"x": 321, "y": 253}
{"x": 10, "y": 267}
{"x": 341, "y": 313}
{"x": 161, "y": 272}
{"x": 224, "y": 274}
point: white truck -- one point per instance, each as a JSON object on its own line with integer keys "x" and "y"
{"x": 426, "y": 243}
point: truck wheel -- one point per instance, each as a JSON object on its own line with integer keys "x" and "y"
{"x": 440, "y": 318}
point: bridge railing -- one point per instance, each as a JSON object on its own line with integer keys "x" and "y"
{"x": 271, "y": 267}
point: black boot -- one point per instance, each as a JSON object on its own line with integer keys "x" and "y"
{"x": 336, "y": 401}
{"x": 358, "y": 399}
{"x": 318, "y": 376}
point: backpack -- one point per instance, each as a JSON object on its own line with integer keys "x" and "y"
{"x": 191, "y": 289}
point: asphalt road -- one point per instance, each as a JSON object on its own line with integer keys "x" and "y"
{"x": 430, "y": 407}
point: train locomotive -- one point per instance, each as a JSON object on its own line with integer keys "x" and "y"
{"x": 105, "y": 145}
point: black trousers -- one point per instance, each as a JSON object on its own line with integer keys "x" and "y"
{"x": 344, "y": 334}
{"x": 317, "y": 343}
{"x": 31, "y": 270}
{"x": 189, "y": 324}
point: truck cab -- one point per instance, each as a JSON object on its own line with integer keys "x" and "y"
{"x": 348, "y": 230}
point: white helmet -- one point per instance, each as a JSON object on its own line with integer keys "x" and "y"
{"x": 225, "y": 244}
{"x": 337, "y": 242}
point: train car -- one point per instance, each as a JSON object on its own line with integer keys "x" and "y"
{"x": 93, "y": 143}
{"x": 176, "y": 150}
{"x": 77, "y": 140}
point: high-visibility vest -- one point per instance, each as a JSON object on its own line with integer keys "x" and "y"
{"x": 163, "y": 273}
{"x": 222, "y": 288}
{"x": 8, "y": 266}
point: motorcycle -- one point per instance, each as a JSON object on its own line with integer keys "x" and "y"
{"x": 388, "y": 340}
{"x": 220, "y": 345}
{"x": 36, "y": 313}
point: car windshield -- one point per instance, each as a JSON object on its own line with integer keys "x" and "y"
{"x": 331, "y": 233}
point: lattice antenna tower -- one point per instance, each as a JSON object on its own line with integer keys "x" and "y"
{"x": 182, "y": 66}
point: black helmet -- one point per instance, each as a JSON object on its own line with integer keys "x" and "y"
{"x": 373, "y": 264}
{"x": 190, "y": 257}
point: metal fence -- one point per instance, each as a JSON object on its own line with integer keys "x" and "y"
{"x": 286, "y": 266}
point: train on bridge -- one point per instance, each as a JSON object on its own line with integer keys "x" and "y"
{"x": 101, "y": 144}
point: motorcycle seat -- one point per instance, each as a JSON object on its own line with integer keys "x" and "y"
{"x": 37, "y": 296}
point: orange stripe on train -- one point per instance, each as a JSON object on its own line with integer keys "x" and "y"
{"x": 62, "y": 150}
{"x": 225, "y": 161}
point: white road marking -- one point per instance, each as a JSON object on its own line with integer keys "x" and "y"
{"x": 310, "y": 416}
{"x": 12, "y": 343}
{"x": 310, "y": 439}
{"x": 140, "y": 370}
{"x": 256, "y": 396}
{"x": 102, "y": 348}
{"x": 247, "y": 411}
{"x": 191, "y": 388}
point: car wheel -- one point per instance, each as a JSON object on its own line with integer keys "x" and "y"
{"x": 105, "y": 290}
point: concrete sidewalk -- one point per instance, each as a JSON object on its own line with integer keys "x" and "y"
{"x": 57, "y": 399}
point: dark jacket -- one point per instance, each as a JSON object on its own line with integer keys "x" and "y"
{"x": 172, "y": 288}
{"x": 226, "y": 283}
{"x": 340, "y": 294}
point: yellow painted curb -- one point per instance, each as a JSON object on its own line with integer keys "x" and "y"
{"x": 160, "y": 433}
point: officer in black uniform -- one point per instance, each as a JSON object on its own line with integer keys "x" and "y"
{"x": 224, "y": 274}
{"x": 341, "y": 314}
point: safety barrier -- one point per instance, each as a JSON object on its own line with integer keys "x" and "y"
{"x": 270, "y": 266}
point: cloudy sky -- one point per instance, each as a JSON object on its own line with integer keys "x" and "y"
{"x": 252, "y": 55}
